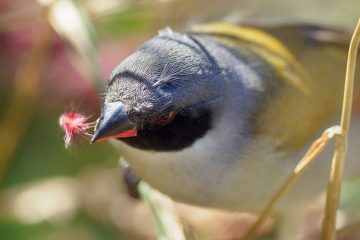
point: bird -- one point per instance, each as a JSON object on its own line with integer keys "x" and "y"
{"x": 219, "y": 115}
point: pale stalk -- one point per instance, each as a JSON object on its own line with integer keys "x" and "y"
{"x": 337, "y": 166}
{"x": 340, "y": 132}
{"x": 316, "y": 148}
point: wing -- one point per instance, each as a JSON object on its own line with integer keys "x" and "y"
{"x": 310, "y": 63}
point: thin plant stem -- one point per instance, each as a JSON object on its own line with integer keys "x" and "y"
{"x": 340, "y": 133}
{"x": 316, "y": 148}
{"x": 338, "y": 161}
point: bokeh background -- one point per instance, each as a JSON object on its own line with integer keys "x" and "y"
{"x": 55, "y": 56}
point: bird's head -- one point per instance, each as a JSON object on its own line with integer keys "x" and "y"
{"x": 161, "y": 97}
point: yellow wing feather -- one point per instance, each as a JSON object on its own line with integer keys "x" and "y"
{"x": 311, "y": 78}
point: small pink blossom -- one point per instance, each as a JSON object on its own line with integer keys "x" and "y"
{"x": 74, "y": 124}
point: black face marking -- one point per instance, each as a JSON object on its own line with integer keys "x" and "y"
{"x": 186, "y": 127}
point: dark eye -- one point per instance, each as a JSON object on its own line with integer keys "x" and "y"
{"x": 165, "y": 118}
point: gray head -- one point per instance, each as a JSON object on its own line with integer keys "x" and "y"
{"x": 165, "y": 90}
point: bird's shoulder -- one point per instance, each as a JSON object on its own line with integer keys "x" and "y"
{"x": 309, "y": 62}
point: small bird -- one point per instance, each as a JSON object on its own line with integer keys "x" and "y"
{"x": 219, "y": 116}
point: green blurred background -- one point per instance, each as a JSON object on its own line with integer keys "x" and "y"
{"x": 55, "y": 56}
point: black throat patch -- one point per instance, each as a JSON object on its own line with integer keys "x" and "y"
{"x": 181, "y": 132}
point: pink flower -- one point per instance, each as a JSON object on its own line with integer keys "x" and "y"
{"x": 74, "y": 124}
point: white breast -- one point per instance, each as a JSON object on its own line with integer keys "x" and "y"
{"x": 218, "y": 170}
{"x": 192, "y": 175}
{"x": 213, "y": 173}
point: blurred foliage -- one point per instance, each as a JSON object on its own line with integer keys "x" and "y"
{"x": 80, "y": 228}
{"x": 350, "y": 202}
{"x": 131, "y": 21}
{"x": 43, "y": 142}
{"x": 89, "y": 38}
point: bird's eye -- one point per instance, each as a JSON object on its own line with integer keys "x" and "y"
{"x": 165, "y": 118}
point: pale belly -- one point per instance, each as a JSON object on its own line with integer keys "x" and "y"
{"x": 203, "y": 176}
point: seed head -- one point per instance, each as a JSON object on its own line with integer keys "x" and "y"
{"x": 74, "y": 124}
